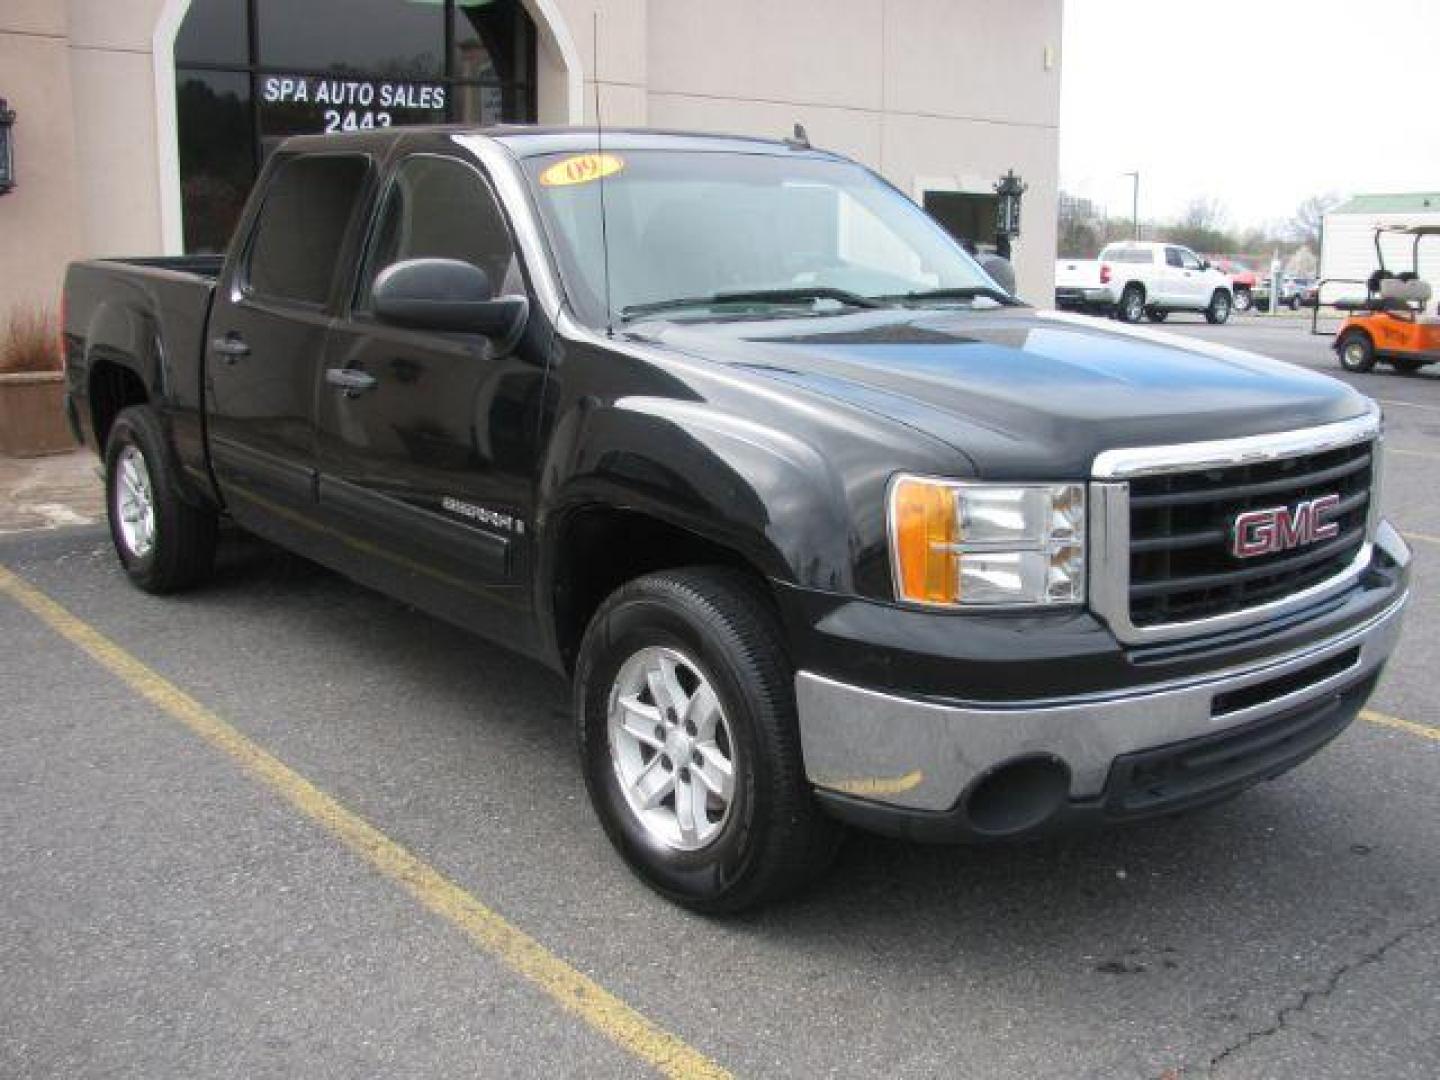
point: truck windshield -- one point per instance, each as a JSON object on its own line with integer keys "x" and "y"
{"x": 699, "y": 234}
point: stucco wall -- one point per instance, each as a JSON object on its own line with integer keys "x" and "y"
{"x": 944, "y": 93}
{"x": 113, "y": 87}
{"x": 39, "y": 224}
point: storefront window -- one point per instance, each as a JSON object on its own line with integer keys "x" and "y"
{"x": 214, "y": 32}
{"x": 217, "y": 160}
{"x": 394, "y": 38}
{"x": 252, "y": 72}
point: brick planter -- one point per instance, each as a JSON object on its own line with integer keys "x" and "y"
{"x": 32, "y": 414}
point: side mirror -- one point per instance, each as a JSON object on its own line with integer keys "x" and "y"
{"x": 1000, "y": 269}
{"x": 1205, "y": 264}
{"x": 445, "y": 294}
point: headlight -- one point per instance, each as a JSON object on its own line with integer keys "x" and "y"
{"x": 962, "y": 543}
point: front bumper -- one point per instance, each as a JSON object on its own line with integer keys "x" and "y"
{"x": 921, "y": 767}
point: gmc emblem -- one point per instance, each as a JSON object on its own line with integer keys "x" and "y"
{"x": 1264, "y": 532}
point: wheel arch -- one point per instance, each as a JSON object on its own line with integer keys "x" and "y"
{"x": 595, "y": 548}
{"x": 112, "y": 386}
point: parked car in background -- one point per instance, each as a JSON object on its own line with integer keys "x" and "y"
{"x": 1291, "y": 291}
{"x": 1242, "y": 279}
{"x": 1293, "y": 296}
{"x": 1138, "y": 280}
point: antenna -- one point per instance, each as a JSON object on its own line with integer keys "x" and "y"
{"x": 600, "y": 165}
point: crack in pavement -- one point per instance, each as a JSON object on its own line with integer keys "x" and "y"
{"x": 1289, "y": 1012}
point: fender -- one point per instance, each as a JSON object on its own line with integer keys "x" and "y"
{"x": 127, "y": 335}
{"x": 127, "y": 331}
{"x": 761, "y": 492}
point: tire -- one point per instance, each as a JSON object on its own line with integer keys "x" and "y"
{"x": 1356, "y": 352}
{"x": 1219, "y": 310}
{"x": 1407, "y": 365}
{"x": 1242, "y": 300}
{"x": 1157, "y": 315}
{"x": 1131, "y": 308}
{"x": 164, "y": 543}
{"x": 715, "y": 630}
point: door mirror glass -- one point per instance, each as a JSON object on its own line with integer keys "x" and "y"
{"x": 1000, "y": 269}
{"x": 444, "y": 294}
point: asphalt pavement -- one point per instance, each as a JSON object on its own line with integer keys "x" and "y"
{"x": 171, "y": 908}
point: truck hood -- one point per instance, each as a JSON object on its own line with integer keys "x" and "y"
{"x": 1023, "y": 394}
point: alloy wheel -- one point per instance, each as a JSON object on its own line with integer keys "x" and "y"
{"x": 135, "y": 503}
{"x": 672, "y": 748}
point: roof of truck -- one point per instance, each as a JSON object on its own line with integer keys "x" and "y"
{"x": 527, "y": 140}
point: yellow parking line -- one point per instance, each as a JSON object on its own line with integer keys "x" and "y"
{"x": 1411, "y": 453}
{"x": 1425, "y": 731}
{"x": 1424, "y": 537}
{"x": 1408, "y": 404}
{"x": 517, "y": 950}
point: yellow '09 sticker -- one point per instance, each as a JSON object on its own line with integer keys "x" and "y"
{"x": 580, "y": 169}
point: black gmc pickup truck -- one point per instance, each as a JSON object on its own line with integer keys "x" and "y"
{"x": 824, "y": 525}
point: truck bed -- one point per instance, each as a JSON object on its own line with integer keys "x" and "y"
{"x": 147, "y": 315}
{"x": 204, "y": 266}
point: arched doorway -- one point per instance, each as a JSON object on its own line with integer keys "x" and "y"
{"x": 248, "y": 73}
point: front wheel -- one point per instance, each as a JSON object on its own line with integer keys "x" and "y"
{"x": 164, "y": 543}
{"x": 1219, "y": 309}
{"x": 1357, "y": 352}
{"x": 690, "y": 745}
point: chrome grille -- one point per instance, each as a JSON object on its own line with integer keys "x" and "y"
{"x": 1181, "y": 566}
{"x": 1185, "y": 498}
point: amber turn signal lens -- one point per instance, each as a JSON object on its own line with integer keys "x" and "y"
{"x": 924, "y": 521}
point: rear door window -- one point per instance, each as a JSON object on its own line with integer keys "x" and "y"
{"x": 1139, "y": 256}
{"x": 297, "y": 240}
{"x": 1173, "y": 257}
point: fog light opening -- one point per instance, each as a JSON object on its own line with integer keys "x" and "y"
{"x": 1018, "y": 796}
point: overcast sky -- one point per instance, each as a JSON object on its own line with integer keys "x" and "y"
{"x": 1183, "y": 91}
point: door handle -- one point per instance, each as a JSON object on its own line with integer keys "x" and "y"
{"x": 353, "y": 382}
{"x": 231, "y": 347}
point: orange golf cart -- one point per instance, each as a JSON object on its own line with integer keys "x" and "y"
{"x": 1393, "y": 323}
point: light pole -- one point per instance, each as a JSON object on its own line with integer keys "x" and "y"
{"x": 1135, "y": 204}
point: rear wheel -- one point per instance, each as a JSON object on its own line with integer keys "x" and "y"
{"x": 1219, "y": 309}
{"x": 690, "y": 745}
{"x": 1356, "y": 351}
{"x": 164, "y": 543}
{"x": 1132, "y": 304}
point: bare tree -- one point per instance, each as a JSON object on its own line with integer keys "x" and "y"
{"x": 1309, "y": 216}
{"x": 1201, "y": 227}
{"x": 1203, "y": 215}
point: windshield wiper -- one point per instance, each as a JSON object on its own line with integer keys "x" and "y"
{"x": 795, "y": 295}
{"x": 966, "y": 292}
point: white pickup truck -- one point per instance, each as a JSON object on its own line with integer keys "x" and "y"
{"x": 1136, "y": 280}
